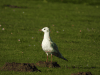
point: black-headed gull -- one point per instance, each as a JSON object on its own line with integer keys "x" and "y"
{"x": 49, "y": 46}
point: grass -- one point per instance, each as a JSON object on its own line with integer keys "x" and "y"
{"x": 80, "y": 48}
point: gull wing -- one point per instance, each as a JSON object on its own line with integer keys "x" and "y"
{"x": 56, "y": 51}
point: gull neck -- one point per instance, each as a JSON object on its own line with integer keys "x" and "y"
{"x": 47, "y": 36}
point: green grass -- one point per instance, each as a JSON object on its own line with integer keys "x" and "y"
{"x": 81, "y": 49}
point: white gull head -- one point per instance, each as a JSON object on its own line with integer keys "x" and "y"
{"x": 45, "y": 29}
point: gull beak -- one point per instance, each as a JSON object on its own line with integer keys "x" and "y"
{"x": 40, "y": 30}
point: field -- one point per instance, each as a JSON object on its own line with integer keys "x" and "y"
{"x": 75, "y": 28}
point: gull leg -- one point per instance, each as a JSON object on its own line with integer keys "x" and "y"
{"x": 51, "y": 57}
{"x": 47, "y": 57}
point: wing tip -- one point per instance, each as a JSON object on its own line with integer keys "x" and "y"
{"x": 65, "y": 59}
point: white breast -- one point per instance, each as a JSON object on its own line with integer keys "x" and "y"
{"x": 46, "y": 46}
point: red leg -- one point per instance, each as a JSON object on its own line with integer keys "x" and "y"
{"x": 47, "y": 58}
{"x": 51, "y": 57}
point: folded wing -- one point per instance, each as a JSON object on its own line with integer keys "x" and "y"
{"x": 56, "y": 51}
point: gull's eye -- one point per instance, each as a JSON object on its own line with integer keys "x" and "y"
{"x": 44, "y": 29}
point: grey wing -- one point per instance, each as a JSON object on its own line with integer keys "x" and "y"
{"x": 56, "y": 51}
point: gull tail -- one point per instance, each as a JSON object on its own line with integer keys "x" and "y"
{"x": 58, "y": 54}
{"x": 64, "y": 58}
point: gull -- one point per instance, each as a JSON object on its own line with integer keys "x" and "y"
{"x": 49, "y": 46}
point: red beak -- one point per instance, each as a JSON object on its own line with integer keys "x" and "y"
{"x": 40, "y": 30}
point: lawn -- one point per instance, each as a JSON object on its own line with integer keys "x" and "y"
{"x": 75, "y": 28}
